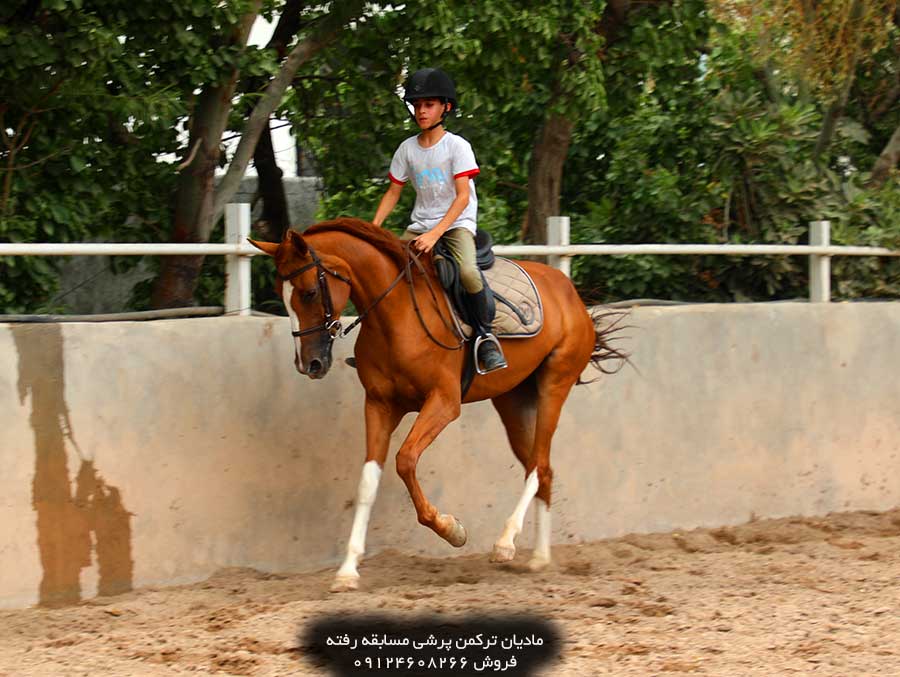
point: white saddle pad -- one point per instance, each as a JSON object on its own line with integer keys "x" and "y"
{"x": 523, "y": 316}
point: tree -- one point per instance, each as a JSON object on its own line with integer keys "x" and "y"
{"x": 840, "y": 58}
{"x": 653, "y": 121}
{"x": 199, "y": 205}
{"x": 540, "y": 56}
{"x": 80, "y": 123}
{"x": 822, "y": 46}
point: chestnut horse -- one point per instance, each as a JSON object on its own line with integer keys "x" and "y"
{"x": 407, "y": 360}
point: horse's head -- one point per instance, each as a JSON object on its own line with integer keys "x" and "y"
{"x": 315, "y": 288}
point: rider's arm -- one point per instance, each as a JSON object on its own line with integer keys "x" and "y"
{"x": 427, "y": 240}
{"x": 456, "y": 207}
{"x": 388, "y": 202}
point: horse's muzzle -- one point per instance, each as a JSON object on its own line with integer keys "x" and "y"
{"x": 316, "y": 368}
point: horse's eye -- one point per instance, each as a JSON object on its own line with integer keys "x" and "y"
{"x": 310, "y": 294}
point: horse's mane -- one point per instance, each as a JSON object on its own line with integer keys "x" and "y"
{"x": 383, "y": 240}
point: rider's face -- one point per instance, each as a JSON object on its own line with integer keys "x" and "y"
{"x": 428, "y": 112}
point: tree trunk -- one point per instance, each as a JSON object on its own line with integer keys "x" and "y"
{"x": 193, "y": 218}
{"x": 199, "y": 206}
{"x": 888, "y": 159}
{"x": 275, "y": 218}
{"x": 832, "y": 116}
{"x": 194, "y": 207}
{"x": 545, "y": 176}
{"x": 836, "y": 110}
{"x": 551, "y": 147}
{"x": 259, "y": 118}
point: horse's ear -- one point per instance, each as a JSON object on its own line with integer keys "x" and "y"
{"x": 295, "y": 240}
{"x": 268, "y": 247}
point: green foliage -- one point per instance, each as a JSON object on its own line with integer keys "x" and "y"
{"x": 92, "y": 96}
{"x": 681, "y": 134}
{"x": 80, "y": 130}
{"x": 871, "y": 218}
{"x": 350, "y": 116}
{"x": 696, "y": 149}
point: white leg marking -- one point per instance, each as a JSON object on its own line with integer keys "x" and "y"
{"x": 348, "y": 576}
{"x": 505, "y": 547}
{"x": 541, "y": 556}
{"x": 286, "y": 290}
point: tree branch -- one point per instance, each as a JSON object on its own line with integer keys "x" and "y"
{"x": 886, "y": 161}
{"x": 42, "y": 160}
{"x": 836, "y": 110}
{"x": 272, "y": 96}
{"x": 191, "y": 156}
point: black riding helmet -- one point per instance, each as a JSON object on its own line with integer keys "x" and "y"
{"x": 430, "y": 83}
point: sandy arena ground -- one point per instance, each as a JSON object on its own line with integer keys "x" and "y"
{"x": 773, "y": 597}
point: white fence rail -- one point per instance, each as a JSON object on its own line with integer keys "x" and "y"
{"x": 237, "y": 253}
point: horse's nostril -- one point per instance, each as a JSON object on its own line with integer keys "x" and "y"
{"x": 315, "y": 366}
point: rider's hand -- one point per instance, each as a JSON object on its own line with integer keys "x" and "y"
{"x": 425, "y": 242}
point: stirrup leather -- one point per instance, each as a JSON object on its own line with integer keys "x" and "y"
{"x": 487, "y": 338}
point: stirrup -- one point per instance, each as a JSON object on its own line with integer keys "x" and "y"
{"x": 489, "y": 338}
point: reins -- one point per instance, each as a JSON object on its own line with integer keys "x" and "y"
{"x": 333, "y": 327}
{"x": 411, "y": 258}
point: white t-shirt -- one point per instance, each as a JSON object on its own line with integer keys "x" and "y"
{"x": 432, "y": 172}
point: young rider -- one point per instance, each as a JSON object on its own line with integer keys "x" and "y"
{"x": 442, "y": 167}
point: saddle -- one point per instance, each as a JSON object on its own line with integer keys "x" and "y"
{"x": 519, "y": 313}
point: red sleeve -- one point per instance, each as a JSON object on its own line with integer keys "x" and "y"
{"x": 471, "y": 172}
{"x": 396, "y": 180}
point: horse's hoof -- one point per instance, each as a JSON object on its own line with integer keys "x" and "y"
{"x": 345, "y": 584}
{"x": 536, "y": 564}
{"x": 503, "y": 553}
{"x": 456, "y": 535}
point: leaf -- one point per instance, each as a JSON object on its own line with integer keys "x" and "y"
{"x": 853, "y": 130}
{"x": 76, "y": 163}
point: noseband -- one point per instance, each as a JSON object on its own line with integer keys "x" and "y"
{"x": 330, "y": 325}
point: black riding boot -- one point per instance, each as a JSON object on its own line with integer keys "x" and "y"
{"x": 488, "y": 355}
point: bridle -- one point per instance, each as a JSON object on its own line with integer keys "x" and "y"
{"x": 330, "y": 325}
{"x": 333, "y": 326}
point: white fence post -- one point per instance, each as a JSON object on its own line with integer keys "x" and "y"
{"x": 237, "y": 267}
{"x": 819, "y": 265}
{"x": 558, "y": 234}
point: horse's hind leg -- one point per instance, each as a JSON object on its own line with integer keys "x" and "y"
{"x": 554, "y": 380}
{"x": 518, "y": 411}
{"x": 381, "y": 420}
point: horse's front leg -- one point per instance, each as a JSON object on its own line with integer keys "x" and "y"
{"x": 381, "y": 420}
{"x": 439, "y": 410}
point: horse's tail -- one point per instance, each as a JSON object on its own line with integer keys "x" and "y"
{"x": 607, "y": 328}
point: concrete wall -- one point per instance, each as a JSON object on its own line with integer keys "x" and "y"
{"x": 154, "y": 453}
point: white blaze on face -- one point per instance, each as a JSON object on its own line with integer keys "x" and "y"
{"x": 287, "y": 289}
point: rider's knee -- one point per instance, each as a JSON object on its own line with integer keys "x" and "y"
{"x": 471, "y": 279}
